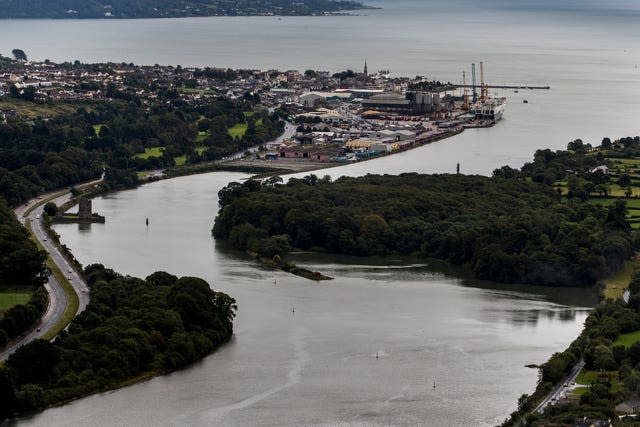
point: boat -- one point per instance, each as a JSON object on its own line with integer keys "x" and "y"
{"x": 491, "y": 109}
{"x": 524, "y": 101}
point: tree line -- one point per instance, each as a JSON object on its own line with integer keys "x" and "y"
{"x": 618, "y": 367}
{"x": 22, "y": 267}
{"x": 506, "y": 230}
{"x": 130, "y": 327}
{"x": 43, "y": 154}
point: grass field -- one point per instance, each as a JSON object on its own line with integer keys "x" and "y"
{"x": 150, "y": 152}
{"x": 33, "y": 110}
{"x": 10, "y": 299}
{"x": 239, "y": 129}
{"x": 628, "y": 340}
{"x": 616, "y": 284}
{"x": 202, "y": 136}
{"x": 592, "y": 377}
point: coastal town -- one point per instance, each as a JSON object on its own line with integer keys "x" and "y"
{"x": 332, "y": 118}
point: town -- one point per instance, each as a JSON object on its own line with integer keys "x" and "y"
{"x": 330, "y": 118}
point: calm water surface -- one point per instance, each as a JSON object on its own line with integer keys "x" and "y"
{"x": 318, "y": 365}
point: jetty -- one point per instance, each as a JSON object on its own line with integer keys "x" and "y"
{"x": 503, "y": 87}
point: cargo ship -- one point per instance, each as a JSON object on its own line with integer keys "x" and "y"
{"x": 490, "y": 109}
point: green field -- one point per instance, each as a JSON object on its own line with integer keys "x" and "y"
{"x": 592, "y": 377}
{"x": 616, "y": 284}
{"x": 239, "y": 129}
{"x": 628, "y": 340}
{"x": 202, "y": 136}
{"x": 150, "y": 152}
{"x": 10, "y": 299}
{"x": 33, "y": 110}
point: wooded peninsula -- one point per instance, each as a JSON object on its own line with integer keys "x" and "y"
{"x": 506, "y": 228}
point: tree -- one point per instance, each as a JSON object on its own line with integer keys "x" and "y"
{"x": 51, "y": 209}
{"x": 19, "y": 54}
{"x": 624, "y": 180}
{"x": 606, "y": 143}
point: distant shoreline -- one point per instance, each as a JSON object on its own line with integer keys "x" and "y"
{"x": 184, "y": 9}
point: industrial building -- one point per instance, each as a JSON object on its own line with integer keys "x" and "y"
{"x": 412, "y": 103}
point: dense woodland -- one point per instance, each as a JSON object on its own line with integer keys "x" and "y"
{"x": 130, "y": 328}
{"x": 506, "y": 230}
{"x": 43, "y": 154}
{"x": 22, "y": 267}
{"x": 79, "y": 9}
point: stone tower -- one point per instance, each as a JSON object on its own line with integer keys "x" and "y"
{"x": 84, "y": 208}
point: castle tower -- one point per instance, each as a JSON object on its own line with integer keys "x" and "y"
{"x": 84, "y": 208}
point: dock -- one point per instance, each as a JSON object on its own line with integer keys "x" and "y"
{"x": 503, "y": 87}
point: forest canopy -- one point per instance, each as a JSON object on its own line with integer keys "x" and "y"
{"x": 130, "y": 328}
{"x": 506, "y": 230}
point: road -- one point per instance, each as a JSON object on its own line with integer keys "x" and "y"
{"x": 558, "y": 390}
{"x": 58, "y": 300}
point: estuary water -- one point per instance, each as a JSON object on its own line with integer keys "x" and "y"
{"x": 364, "y": 349}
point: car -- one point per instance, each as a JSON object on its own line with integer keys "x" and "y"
{"x": 37, "y": 329}
{"x": 565, "y": 385}
{"x": 37, "y": 216}
{"x": 45, "y": 239}
{"x": 70, "y": 270}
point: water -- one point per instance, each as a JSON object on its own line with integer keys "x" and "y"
{"x": 318, "y": 365}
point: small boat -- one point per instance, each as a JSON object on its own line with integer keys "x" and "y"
{"x": 524, "y": 101}
{"x": 515, "y": 91}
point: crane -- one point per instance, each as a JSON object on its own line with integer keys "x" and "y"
{"x": 465, "y": 97}
{"x": 484, "y": 89}
{"x": 473, "y": 83}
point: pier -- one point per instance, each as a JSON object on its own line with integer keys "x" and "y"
{"x": 503, "y": 87}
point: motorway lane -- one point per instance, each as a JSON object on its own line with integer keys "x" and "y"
{"x": 57, "y": 298}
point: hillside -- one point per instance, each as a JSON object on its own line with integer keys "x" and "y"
{"x": 82, "y": 9}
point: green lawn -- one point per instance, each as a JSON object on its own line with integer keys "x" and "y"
{"x": 616, "y": 284}
{"x": 578, "y": 391}
{"x": 150, "y": 152}
{"x": 10, "y": 299}
{"x": 33, "y": 110}
{"x": 201, "y": 136}
{"x": 631, "y": 162}
{"x": 238, "y": 130}
{"x": 628, "y": 340}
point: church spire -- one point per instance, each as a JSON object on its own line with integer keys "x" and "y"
{"x": 365, "y": 68}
